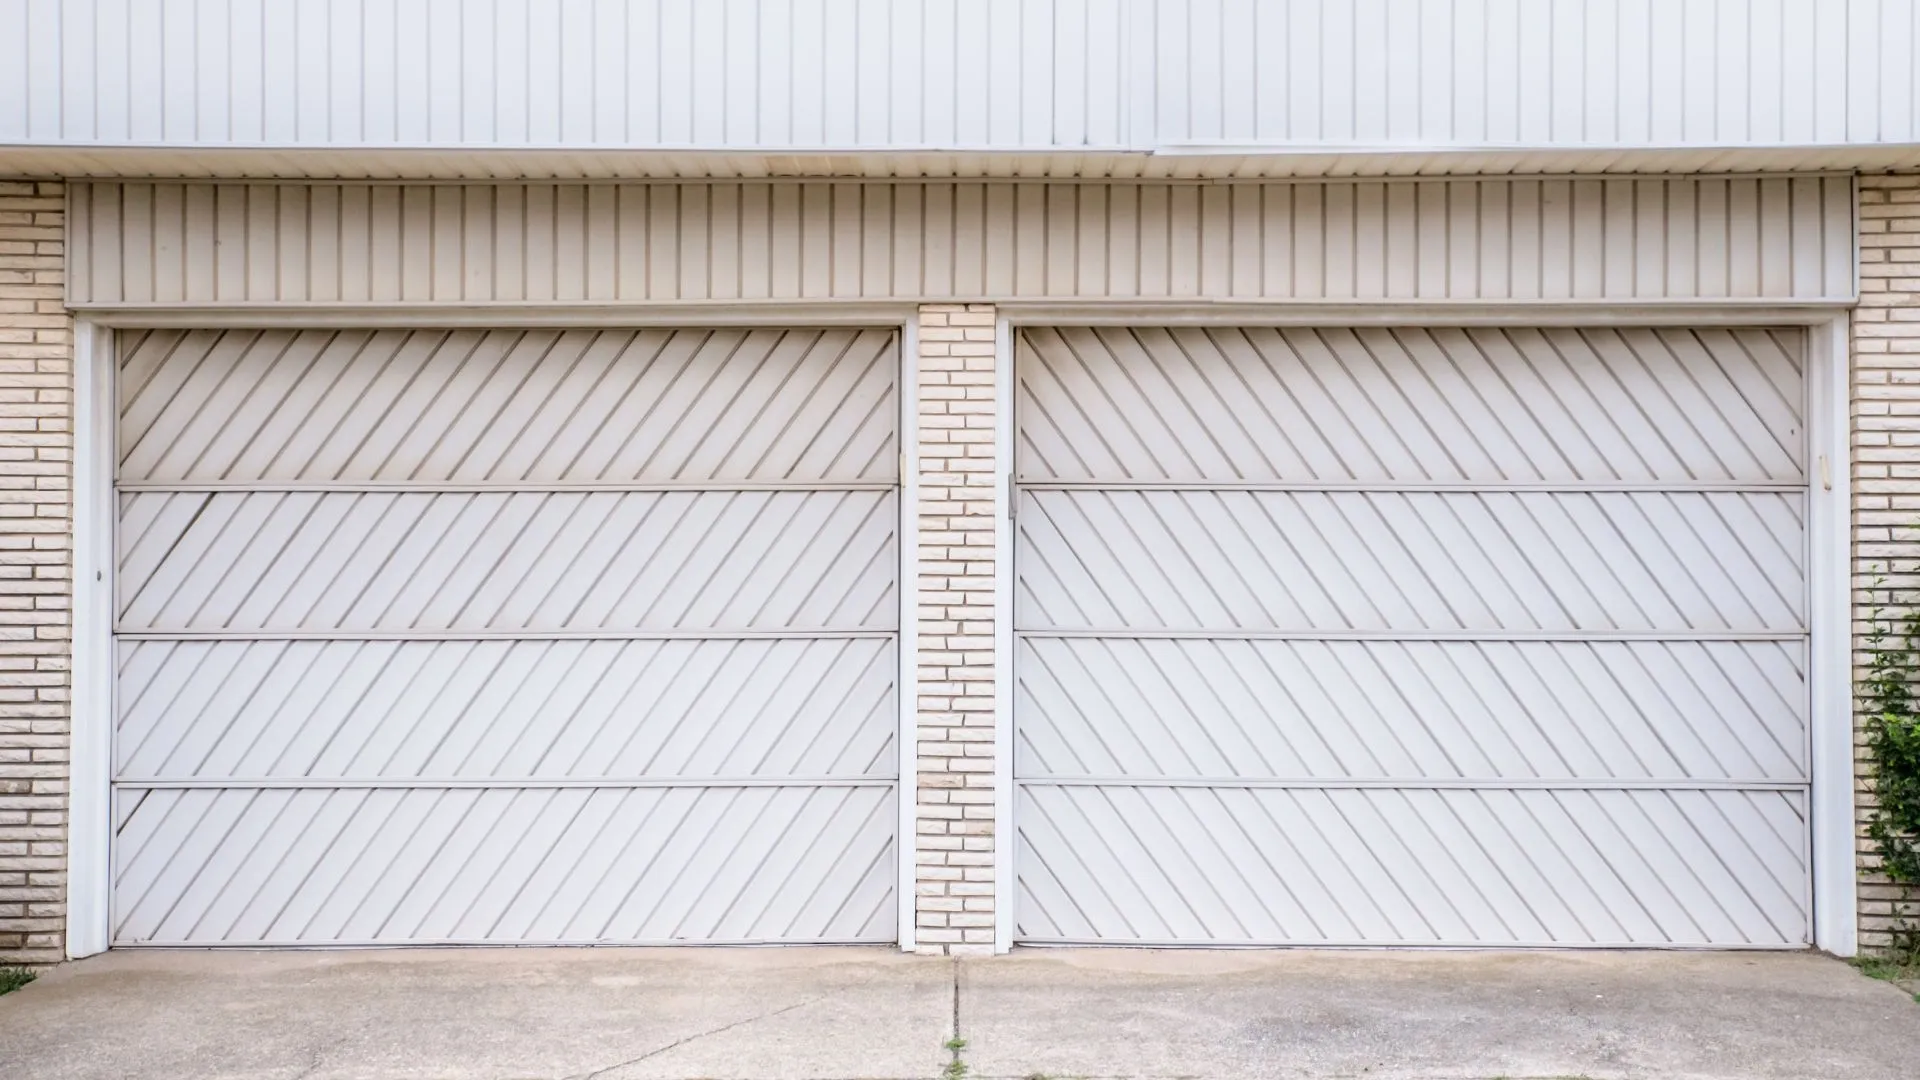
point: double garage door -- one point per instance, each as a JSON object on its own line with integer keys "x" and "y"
{"x": 502, "y": 635}
{"x": 1401, "y": 636}
{"x": 1379, "y": 636}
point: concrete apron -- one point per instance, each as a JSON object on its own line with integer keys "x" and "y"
{"x": 624, "y": 1014}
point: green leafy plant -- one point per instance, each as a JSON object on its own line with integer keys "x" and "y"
{"x": 1891, "y": 716}
{"x": 1899, "y": 964}
{"x": 13, "y": 978}
{"x": 957, "y": 1067}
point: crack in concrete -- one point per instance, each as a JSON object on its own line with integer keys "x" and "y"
{"x": 956, "y": 998}
{"x": 955, "y": 1045}
{"x": 684, "y": 1040}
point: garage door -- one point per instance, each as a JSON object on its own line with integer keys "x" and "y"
{"x": 504, "y": 635}
{"x": 1411, "y": 636}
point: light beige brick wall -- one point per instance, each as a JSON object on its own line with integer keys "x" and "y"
{"x": 953, "y": 841}
{"x": 1886, "y": 462}
{"x": 36, "y": 454}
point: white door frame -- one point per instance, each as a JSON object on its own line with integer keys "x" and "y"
{"x": 90, "y": 723}
{"x": 90, "y": 791}
{"x": 1835, "y": 908}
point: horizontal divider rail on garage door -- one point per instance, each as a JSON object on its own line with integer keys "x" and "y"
{"x": 506, "y": 636}
{"x": 1409, "y": 636}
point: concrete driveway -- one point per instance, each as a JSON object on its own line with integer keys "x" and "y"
{"x": 624, "y": 1014}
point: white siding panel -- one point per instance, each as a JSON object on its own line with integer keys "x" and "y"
{"x": 980, "y": 74}
{"x": 1539, "y": 72}
{"x": 575, "y": 73}
{"x": 1480, "y": 240}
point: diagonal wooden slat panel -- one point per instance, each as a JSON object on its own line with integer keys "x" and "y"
{"x": 499, "y": 865}
{"x": 1226, "y": 865}
{"x": 1108, "y": 707}
{"x": 506, "y": 710}
{"x": 242, "y": 562}
{"x": 671, "y": 718}
{"x": 1404, "y": 636}
{"x": 507, "y": 406}
{"x": 1412, "y": 561}
{"x": 1406, "y": 404}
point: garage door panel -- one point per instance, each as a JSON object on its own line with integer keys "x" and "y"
{"x": 541, "y": 561}
{"x": 1221, "y": 707}
{"x": 1399, "y": 635}
{"x": 474, "y": 865}
{"x": 1338, "y": 560}
{"x": 506, "y": 709}
{"x": 480, "y": 406}
{"x": 506, "y": 636}
{"x": 1407, "y": 404}
{"x": 1413, "y": 867}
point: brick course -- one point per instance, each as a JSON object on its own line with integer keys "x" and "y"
{"x": 1886, "y": 466}
{"x": 953, "y": 841}
{"x": 36, "y": 449}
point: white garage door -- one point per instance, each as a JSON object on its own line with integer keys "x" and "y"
{"x": 1412, "y": 636}
{"x": 503, "y": 635}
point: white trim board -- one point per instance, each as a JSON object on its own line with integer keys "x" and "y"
{"x": 1006, "y": 836}
{"x": 90, "y": 791}
{"x": 832, "y": 311}
{"x": 907, "y": 638}
{"x": 1836, "y": 899}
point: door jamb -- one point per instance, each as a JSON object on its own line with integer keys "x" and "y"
{"x": 90, "y": 779}
{"x": 906, "y": 683}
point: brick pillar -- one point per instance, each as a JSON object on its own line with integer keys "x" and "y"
{"x": 953, "y": 842}
{"x": 1886, "y": 465}
{"x": 36, "y": 449}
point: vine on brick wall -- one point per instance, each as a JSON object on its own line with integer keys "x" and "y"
{"x": 1890, "y": 702}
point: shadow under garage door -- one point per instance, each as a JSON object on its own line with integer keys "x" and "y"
{"x": 1451, "y": 636}
{"x": 506, "y": 636}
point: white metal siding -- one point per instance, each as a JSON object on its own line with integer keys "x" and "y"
{"x": 1011, "y": 74}
{"x": 645, "y": 73}
{"x": 1410, "y": 636}
{"x": 1480, "y": 240}
{"x": 1572, "y": 73}
{"x": 503, "y": 635}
